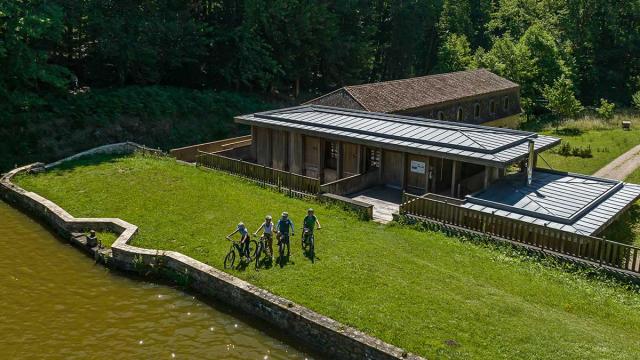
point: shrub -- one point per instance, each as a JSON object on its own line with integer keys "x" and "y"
{"x": 635, "y": 100}
{"x": 567, "y": 150}
{"x": 605, "y": 110}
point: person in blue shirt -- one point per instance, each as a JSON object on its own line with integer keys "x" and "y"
{"x": 282, "y": 228}
{"x": 243, "y": 248}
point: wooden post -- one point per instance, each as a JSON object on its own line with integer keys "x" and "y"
{"x": 403, "y": 180}
{"x": 487, "y": 176}
{"x": 361, "y": 159}
{"x": 254, "y": 143}
{"x": 340, "y": 164}
{"x": 321, "y": 149}
{"x": 380, "y": 169}
{"x": 454, "y": 175}
{"x": 426, "y": 169}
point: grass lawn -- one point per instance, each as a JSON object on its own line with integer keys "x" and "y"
{"x": 606, "y": 139}
{"x": 606, "y": 145}
{"x": 413, "y": 289}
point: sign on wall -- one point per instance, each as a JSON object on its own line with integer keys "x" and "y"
{"x": 417, "y": 167}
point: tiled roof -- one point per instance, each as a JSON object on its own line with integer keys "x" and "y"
{"x": 401, "y": 95}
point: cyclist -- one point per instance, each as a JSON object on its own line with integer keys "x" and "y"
{"x": 267, "y": 225}
{"x": 243, "y": 247}
{"x": 282, "y": 229}
{"x": 310, "y": 222}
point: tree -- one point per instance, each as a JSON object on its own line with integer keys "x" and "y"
{"x": 605, "y": 110}
{"x": 636, "y": 100}
{"x": 454, "y": 54}
{"x": 561, "y": 98}
{"x": 29, "y": 31}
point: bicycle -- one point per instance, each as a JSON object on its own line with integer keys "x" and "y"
{"x": 282, "y": 241}
{"x": 308, "y": 241}
{"x": 230, "y": 258}
{"x": 262, "y": 248}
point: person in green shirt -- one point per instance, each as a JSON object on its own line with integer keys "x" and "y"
{"x": 310, "y": 221}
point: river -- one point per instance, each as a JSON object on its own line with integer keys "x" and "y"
{"x": 56, "y": 303}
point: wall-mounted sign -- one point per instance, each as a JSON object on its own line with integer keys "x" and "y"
{"x": 417, "y": 167}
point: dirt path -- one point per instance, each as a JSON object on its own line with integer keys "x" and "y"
{"x": 622, "y": 166}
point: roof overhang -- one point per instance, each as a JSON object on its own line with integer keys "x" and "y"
{"x": 456, "y": 141}
{"x": 570, "y": 202}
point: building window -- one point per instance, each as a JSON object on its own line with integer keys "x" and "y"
{"x": 493, "y": 107}
{"x": 476, "y": 111}
{"x": 373, "y": 159}
{"x": 506, "y": 103}
{"x": 459, "y": 117}
{"x": 331, "y": 155}
{"x": 440, "y": 115}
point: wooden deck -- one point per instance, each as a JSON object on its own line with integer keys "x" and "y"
{"x": 386, "y": 202}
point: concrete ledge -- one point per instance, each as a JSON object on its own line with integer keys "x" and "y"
{"x": 320, "y": 333}
{"x": 363, "y": 209}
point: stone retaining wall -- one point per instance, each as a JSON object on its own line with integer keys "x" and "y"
{"x": 320, "y": 333}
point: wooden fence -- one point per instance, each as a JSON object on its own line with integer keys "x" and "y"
{"x": 593, "y": 249}
{"x": 261, "y": 174}
{"x": 351, "y": 184}
{"x": 189, "y": 153}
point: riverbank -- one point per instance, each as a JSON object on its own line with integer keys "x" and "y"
{"x": 430, "y": 294}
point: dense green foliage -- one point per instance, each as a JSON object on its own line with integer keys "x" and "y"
{"x": 289, "y": 46}
{"x": 433, "y": 295}
{"x": 151, "y": 115}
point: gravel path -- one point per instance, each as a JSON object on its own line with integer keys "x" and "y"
{"x": 622, "y": 166}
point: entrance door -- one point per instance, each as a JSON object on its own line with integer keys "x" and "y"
{"x": 312, "y": 156}
{"x": 392, "y": 168}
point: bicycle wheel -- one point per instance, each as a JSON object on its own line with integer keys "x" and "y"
{"x": 253, "y": 246}
{"x": 230, "y": 259}
{"x": 312, "y": 244}
{"x": 303, "y": 243}
{"x": 257, "y": 255}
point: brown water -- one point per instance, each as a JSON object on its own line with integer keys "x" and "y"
{"x": 56, "y": 303}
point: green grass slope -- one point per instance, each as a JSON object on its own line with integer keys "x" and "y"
{"x": 417, "y": 290}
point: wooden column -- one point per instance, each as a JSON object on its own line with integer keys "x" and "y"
{"x": 340, "y": 164}
{"x": 361, "y": 159}
{"x": 296, "y": 156}
{"x": 380, "y": 169}
{"x": 426, "y": 175}
{"x": 254, "y": 144}
{"x": 454, "y": 176}
{"x": 487, "y": 176}
{"x": 405, "y": 168}
{"x": 321, "y": 149}
{"x": 270, "y": 147}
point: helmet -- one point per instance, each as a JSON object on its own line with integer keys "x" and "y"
{"x": 310, "y": 210}
{"x": 268, "y": 217}
{"x": 285, "y": 214}
{"x": 240, "y": 224}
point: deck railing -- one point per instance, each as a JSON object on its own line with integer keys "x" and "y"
{"x": 593, "y": 249}
{"x": 351, "y": 184}
{"x": 261, "y": 174}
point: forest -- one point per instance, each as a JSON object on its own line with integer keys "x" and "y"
{"x": 109, "y": 69}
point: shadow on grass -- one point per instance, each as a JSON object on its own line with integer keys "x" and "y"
{"x": 626, "y": 229}
{"x": 88, "y": 160}
{"x": 569, "y": 132}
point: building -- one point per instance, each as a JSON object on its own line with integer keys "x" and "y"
{"x": 407, "y": 153}
{"x": 474, "y": 96}
{"x": 473, "y": 166}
